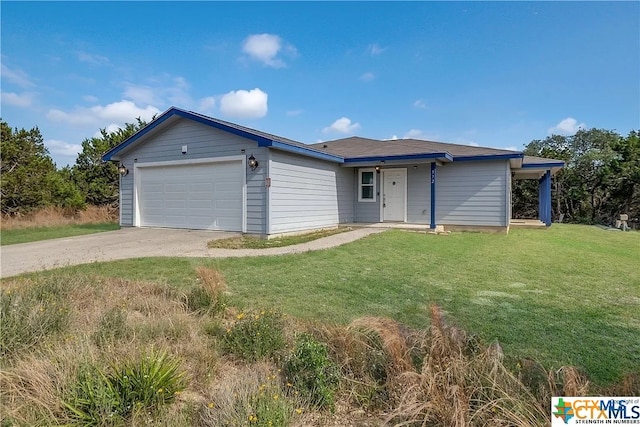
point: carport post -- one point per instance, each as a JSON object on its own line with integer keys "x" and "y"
{"x": 432, "y": 225}
{"x": 544, "y": 198}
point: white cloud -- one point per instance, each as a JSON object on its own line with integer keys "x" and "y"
{"x": 142, "y": 94}
{"x": 265, "y": 48}
{"x": 292, "y": 113}
{"x": 206, "y": 105}
{"x": 62, "y": 148}
{"x": 244, "y": 104}
{"x": 511, "y": 148}
{"x": 18, "y": 100}
{"x": 167, "y": 90}
{"x": 367, "y": 77}
{"x": 414, "y": 134}
{"x": 568, "y": 126}
{"x": 90, "y": 98}
{"x": 93, "y": 59}
{"x": 342, "y": 125}
{"x": 419, "y": 103}
{"x": 113, "y": 127}
{"x": 375, "y": 49}
{"x": 117, "y": 112}
{"x": 16, "y": 76}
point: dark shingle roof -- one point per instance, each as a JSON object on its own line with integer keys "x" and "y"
{"x": 533, "y": 160}
{"x": 354, "y": 147}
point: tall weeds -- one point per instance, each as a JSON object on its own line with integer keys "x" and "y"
{"x": 52, "y": 216}
{"x": 458, "y": 387}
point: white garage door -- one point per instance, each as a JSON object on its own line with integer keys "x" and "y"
{"x": 197, "y": 196}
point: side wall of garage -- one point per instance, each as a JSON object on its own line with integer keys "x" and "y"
{"x": 202, "y": 142}
{"x": 308, "y": 193}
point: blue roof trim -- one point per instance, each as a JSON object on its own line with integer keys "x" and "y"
{"x": 173, "y": 111}
{"x": 399, "y": 157}
{"x": 488, "y": 157}
{"x": 148, "y": 128}
{"x": 301, "y": 150}
{"x": 543, "y": 165}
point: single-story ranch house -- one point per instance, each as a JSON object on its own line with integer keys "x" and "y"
{"x": 187, "y": 170}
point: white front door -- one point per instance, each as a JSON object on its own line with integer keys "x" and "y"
{"x": 394, "y": 195}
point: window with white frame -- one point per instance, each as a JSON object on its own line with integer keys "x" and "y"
{"x": 367, "y": 185}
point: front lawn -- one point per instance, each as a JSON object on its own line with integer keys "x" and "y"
{"x": 25, "y": 235}
{"x": 568, "y": 295}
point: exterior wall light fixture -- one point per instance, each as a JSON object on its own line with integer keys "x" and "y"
{"x": 253, "y": 163}
{"x": 122, "y": 170}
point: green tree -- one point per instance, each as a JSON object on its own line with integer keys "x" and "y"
{"x": 25, "y": 167}
{"x": 600, "y": 180}
{"x": 98, "y": 180}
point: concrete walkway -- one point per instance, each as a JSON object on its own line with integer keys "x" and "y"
{"x": 143, "y": 242}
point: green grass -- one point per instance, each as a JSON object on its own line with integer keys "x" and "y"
{"x": 249, "y": 242}
{"x": 568, "y": 295}
{"x": 24, "y": 235}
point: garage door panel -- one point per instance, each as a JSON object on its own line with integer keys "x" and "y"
{"x": 202, "y": 196}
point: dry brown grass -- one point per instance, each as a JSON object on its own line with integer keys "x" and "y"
{"x": 155, "y": 317}
{"x": 53, "y": 216}
{"x": 391, "y": 375}
{"x": 458, "y": 387}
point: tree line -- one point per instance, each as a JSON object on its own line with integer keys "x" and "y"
{"x": 600, "y": 180}
{"x": 30, "y": 180}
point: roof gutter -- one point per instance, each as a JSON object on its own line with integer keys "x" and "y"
{"x": 439, "y": 156}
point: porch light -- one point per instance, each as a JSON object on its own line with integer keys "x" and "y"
{"x": 377, "y": 169}
{"x": 253, "y": 163}
{"x": 122, "y": 170}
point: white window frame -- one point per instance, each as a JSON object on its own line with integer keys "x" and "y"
{"x": 360, "y": 171}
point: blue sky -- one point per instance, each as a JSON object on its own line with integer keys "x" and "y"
{"x": 495, "y": 74}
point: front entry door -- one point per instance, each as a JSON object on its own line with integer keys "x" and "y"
{"x": 394, "y": 195}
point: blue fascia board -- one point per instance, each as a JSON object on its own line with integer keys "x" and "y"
{"x": 488, "y": 157}
{"x": 300, "y": 150}
{"x": 142, "y": 132}
{"x": 173, "y": 111}
{"x": 543, "y": 165}
{"x": 261, "y": 140}
{"x": 446, "y": 156}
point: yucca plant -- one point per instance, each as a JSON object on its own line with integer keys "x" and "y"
{"x": 99, "y": 399}
{"x": 148, "y": 382}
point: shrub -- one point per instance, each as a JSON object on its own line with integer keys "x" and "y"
{"x": 250, "y": 395}
{"x": 112, "y": 327}
{"x": 28, "y": 316}
{"x": 107, "y": 399}
{"x": 312, "y": 372}
{"x": 255, "y": 335}
{"x": 148, "y": 382}
{"x": 209, "y": 297}
{"x": 93, "y": 400}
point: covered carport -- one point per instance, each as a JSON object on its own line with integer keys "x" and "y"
{"x": 542, "y": 170}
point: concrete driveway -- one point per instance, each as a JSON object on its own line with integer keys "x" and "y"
{"x": 106, "y": 246}
{"x": 144, "y": 242}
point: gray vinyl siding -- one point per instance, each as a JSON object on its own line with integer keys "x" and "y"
{"x": 418, "y": 197}
{"x": 308, "y": 193}
{"x": 366, "y": 211}
{"x": 472, "y": 193}
{"x": 202, "y": 142}
{"x": 419, "y": 194}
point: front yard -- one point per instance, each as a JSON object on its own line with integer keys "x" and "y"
{"x": 568, "y": 295}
